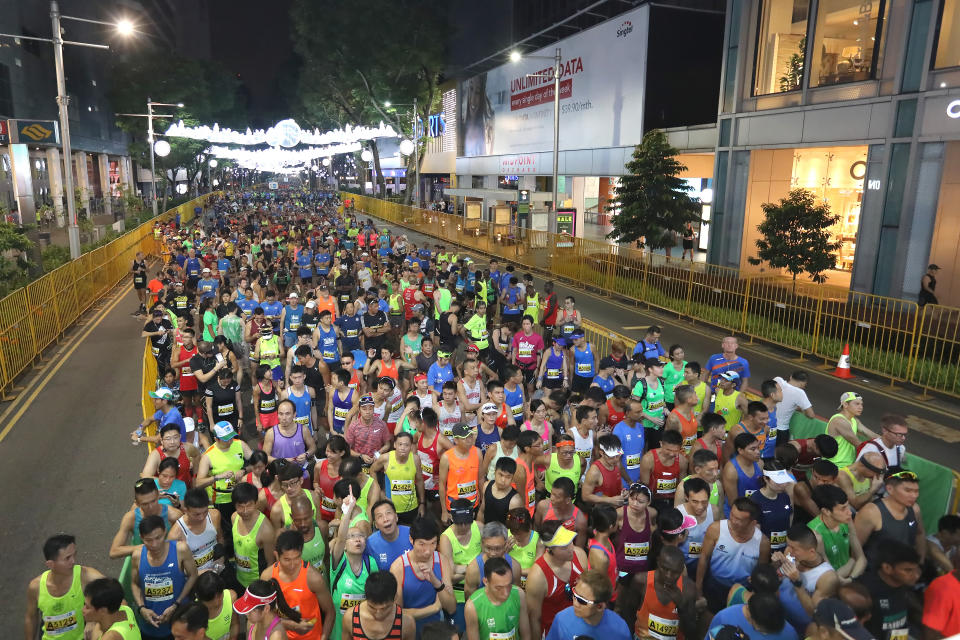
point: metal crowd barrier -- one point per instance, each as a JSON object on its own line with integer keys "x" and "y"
{"x": 888, "y": 337}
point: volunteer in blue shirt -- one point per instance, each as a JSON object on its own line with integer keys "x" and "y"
{"x": 590, "y": 616}
{"x": 650, "y": 346}
{"x": 391, "y": 539}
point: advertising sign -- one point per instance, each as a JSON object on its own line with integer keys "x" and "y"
{"x": 272, "y": 185}
{"x": 566, "y": 227}
{"x": 509, "y": 109}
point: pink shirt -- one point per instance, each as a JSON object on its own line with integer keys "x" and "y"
{"x": 527, "y": 348}
{"x": 366, "y": 440}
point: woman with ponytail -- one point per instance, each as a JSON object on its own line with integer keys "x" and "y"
{"x": 264, "y": 606}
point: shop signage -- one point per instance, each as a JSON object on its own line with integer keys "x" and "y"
{"x": 436, "y": 125}
{"x": 873, "y": 185}
{"x": 953, "y": 109}
{"x": 566, "y": 227}
{"x": 40, "y": 132}
{"x": 516, "y": 164}
{"x": 509, "y": 109}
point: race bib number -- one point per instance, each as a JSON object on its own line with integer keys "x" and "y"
{"x": 666, "y": 485}
{"x": 268, "y": 405}
{"x": 778, "y": 538}
{"x": 157, "y": 588}
{"x": 467, "y": 489}
{"x": 305, "y": 420}
{"x": 688, "y": 443}
{"x": 899, "y": 634}
{"x": 340, "y": 412}
{"x": 635, "y": 551}
{"x": 584, "y": 369}
{"x": 662, "y": 628}
{"x": 353, "y": 333}
{"x": 553, "y": 374}
{"x": 526, "y": 351}
{"x": 327, "y": 354}
{"x": 327, "y": 502}
{"x": 653, "y": 406}
{"x": 206, "y": 555}
{"x": 401, "y": 487}
{"x": 584, "y": 454}
{"x": 532, "y": 497}
{"x": 508, "y": 635}
{"x": 243, "y": 563}
{"x": 633, "y": 460}
{"x": 350, "y": 600}
{"x": 294, "y": 325}
{"x": 693, "y": 551}
{"x": 225, "y": 409}
{"x": 60, "y": 624}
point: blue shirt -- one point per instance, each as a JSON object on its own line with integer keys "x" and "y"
{"x": 437, "y": 375}
{"x": 567, "y": 625}
{"x": 247, "y": 306}
{"x": 193, "y": 267}
{"x": 717, "y": 364}
{"x": 734, "y": 615}
{"x": 207, "y": 287}
{"x": 223, "y": 265}
{"x": 648, "y": 350}
{"x": 632, "y": 442}
{"x": 386, "y": 552}
{"x": 171, "y": 417}
{"x": 350, "y": 329}
{"x": 177, "y": 488}
{"x": 321, "y": 262}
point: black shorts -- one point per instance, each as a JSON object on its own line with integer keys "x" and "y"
{"x": 552, "y": 383}
{"x": 139, "y": 282}
{"x": 687, "y": 244}
{"x": 528, "y": 375}
{"x": 431, "y": 495}
{"x": 308, "y": 280}
{"x": 580, "y": 384}
{"x": 407, "y": 517}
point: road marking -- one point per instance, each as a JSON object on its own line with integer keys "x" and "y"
{"x": 933, "y": 429}
{"x": 62, "y": 359}
{"x": 638, "y": 328}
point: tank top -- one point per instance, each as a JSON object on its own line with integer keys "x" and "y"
{"x": 859, "y": 486}
{"x": 391, "y": 370}
{"x": 341, "y": 408}
{"x": 268, "y": 400}
{"x": 429, "y": 462}
{"x": 614, "y": 415}
{"x": 554, "y": 471}
{"x": 569, "y": 523}
{"x": 62, "y": 617}
{"x": 462, "y": 476}
{"x": 346, "y": 588}
{"x": 526, "y": 555}
{"x": 246, "y": 552}
{"x": 188, "y": 381}
{"x": 811, "y": 576}
{"x": 400, "y": 482}
{"x": 693, "y": 545}
{"x": 688, "y": 429}
{"x": 448, "y": 417}
{"x": 846, "y": 453}
{"x": 655, "y": 619}
{"x": 218, "y": 627}
{"x": 163, "y": 584}
{"x": 270, "y": 351}
{"x": 184, "y": 472}
{"x": 500, "y": 621}
{"x": 220, "y": 462}
{"x": 553, "y": 372}
{"x": 356, "y": 628}
{"x": 285, "y": 507}
{"x": 443, "y": 328}
{"x": 583, "y": 445}
{"x": 717, "y": 448}
{"x": 463, "y": 554}
{"x": 327, "y": 344}
{"x": 836, "y": 544}
{"x": 732, "y": 561}
{"x": 904, "y": 531}
{"x": 138, "y": 516}
{"x": 325, "y": 488}
{"x": 583, "y": 362}
{"x": 298, "y": 595}
{"x": 127, "y": 628}
{"x": 473, "y": 394}
{"x": 201, "y": 544}
{"x": 496, "y": 509}
{"x": 747, "y": 485}
{"x": 315, "y": 549}
{"x": 610, "y": 484}
{"x": 426, "y": 402}
{"x": 634, "y": 546}
{"x": 760, "y": 435}
{"x": 726, "y": 405}
{"x": 492, "y": 469}
{"x": 663, "y": 479}
{"x": 555, "y": 598}
{"x": 606, "y": 385}
{"x": 486, "y": 440}
{"x": 529, "y": 493}
{"x": 514, "y": 400}
{"x": 419, "y": 593}
{"x": 303, "y": 403}
{"x": 775, "y": 518}
{"x": 288, "y": 446}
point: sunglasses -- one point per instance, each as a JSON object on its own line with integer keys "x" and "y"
{"x": 905, "y": 475}
{"x": 580, "y": 599}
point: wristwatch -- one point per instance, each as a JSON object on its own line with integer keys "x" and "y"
{"x": 797, "y": 583}
{"x": 440, "y": 588}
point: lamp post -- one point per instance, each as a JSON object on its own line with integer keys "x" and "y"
{"x": 416, "y": 147}
{"x": 124, "y": 27}
{"x": 153, "y": 174}
{"x": 516, "y": 56}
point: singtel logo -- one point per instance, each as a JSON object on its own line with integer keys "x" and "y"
{"x": 624, "y": 29}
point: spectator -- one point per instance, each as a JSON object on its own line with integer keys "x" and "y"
{"x": 727, "y": 360}
{"x": 893, "y": 434}
{"x": 794, "y": 399}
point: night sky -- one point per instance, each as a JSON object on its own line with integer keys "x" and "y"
{"x": 252, "y": 39}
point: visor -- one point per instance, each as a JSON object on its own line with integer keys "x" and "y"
{"x": 248, "y": 602}
{"x": 561, "y": 538}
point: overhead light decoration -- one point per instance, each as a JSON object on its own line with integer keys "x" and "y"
{"x": 286, "y": 133}
{"x": 161, "y": 148}
{"x": 406, "y": 147}
{"x": 280, "y": 160}
{"x": 366, "y": 155}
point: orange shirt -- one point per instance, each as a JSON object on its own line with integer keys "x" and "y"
{"x": 463, "y": 476}
{"x": 529, "y": 492}
{"x": 299, "y": 596}
{"x": 688, "y": 429}
{"x": 330, "y": 304}
{"x": 655, "y": 619}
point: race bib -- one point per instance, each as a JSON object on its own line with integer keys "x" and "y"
{"x": 635, "y": 551}
{"x": 225, "y": 409}
{"x": 294, "y": 325}
{"x": 662, "y": 628}
{"x": 328, "y": 355}
{"x": 60, "y": 624}
{"x": 243, "y": 563}
{"x": 532, "y": 497}
{"x": 467, "y": 489}
{"x": 778, "y": 538}
{"x": 693, "y": 551}
{"x": 749, "y": 492}
{"x": 553, "y": 374}
{"x": 350, "y": 600}
{"x": 633, "y": 460}
{"x": 206, "y": 555}
{"x": 340, "y": 412}
{"x": 401, "y": 487}
{"x": 666, "y": 485}
{"x": 157, "y": 588}
{"x": 526, "y": 351}
{"x": 899, "y": 634}
{"x": 584, "y": 368}
{"x": 509, "y": 635}
{"x": 653, "y": 406}
{"x": 327, "y": 502}
{"x": 268, "y": 404}
{"x": 305, "y": 420}
{"x": 353, "y": 333}
{"x": 688, "y": 443}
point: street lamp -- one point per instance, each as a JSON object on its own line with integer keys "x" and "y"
{"x": 124, "y": 27}
{"x": 516, "y": 56}
{"x": 416, "y": 147}
{"x": 153, "y": 169}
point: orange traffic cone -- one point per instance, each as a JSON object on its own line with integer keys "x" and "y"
{"x": 843, "y": 365}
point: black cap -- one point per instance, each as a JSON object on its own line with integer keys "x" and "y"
{"x": 835, "y": 614}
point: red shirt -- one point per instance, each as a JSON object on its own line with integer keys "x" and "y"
{"x": 528, "y": 348}
{"x": 941, "y": 605}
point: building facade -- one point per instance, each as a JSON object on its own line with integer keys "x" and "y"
{"x": 859, "y": 102}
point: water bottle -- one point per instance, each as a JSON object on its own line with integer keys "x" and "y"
{"x": 139, "y": 433}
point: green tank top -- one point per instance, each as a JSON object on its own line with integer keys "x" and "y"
{"x": 533, "y": 308}
{"x": 497, "y": 621}
{"x": 726, "y": 405}
{"x": 443, "y": 304}
{"x": 836, "y": 544}
{"x": 285, "y": 507}
{"x": 653, "y": 403}
{"x": 233, "y": 329}
{"x": 218, "y": 627}
{"x": 62, "y": 617}
{"x": 246, "y": 551}
{"x": 482, "y": 288}
{"x": 846, "y": 453}
{"x": 364, "y": 495}
{"x": 555, "y": 471}
{"x": 221, "y": 461}
{"x": 671, "y": 378}
{"x": 360, "y": 517}
{"x": 315, "y": 551}
{"x": 527, "y": 554}
{"x": 347, "y": 588}
{"x": 396, "y": 304}
{"x": 859, "y": 486}
{"x": 714, "y": 490}
{"x": 270, "y": 351}
{"x": 463, "y": 554}
{"x": 476, "y": 327}
{"x": 401, "y": 483}
{"x": 127, "y": 628}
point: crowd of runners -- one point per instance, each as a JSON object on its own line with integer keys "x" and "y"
{"x": 360, "y": 436}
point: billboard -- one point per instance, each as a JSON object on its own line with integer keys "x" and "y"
{"x": 509, "y": 109}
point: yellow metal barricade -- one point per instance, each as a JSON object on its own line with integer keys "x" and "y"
{"x": 602, "y": 338}
{"x": 776, "y": 312}
{"x": 936, "y": 361}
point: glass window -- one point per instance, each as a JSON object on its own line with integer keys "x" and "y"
{"x": 948, "y": 40}
{"x": 781, "y": 42}
{"x": 846, "y": 41}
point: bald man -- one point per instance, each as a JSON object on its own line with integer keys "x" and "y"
{"x": 863, "y": 479}
{"x": 314, "y": 533}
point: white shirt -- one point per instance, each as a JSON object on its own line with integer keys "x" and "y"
{"x": 794, "y": 399}
{"x": 890, "y": 453}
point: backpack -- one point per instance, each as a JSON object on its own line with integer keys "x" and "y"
{"x": 366, "y": 560}
{"x": 643, "y": 383}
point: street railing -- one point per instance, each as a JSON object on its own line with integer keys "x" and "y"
{"x": 888, "y": 337}
{"x": 35, "y": 316}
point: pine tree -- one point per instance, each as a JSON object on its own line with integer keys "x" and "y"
{"x": 652, "y": 200}
{"x": 796, "y": 236}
